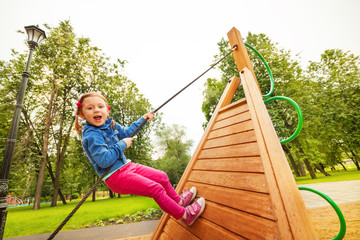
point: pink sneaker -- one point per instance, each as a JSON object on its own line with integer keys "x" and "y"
{"x": 194, "y": 211}
{"x": 188, "y": 196}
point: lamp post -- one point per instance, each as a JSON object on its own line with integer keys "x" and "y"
{"x": 35, "y": 36}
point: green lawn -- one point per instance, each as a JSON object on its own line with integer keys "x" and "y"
{"x": 339, "y": 175}
{"x": 23, "y": 221}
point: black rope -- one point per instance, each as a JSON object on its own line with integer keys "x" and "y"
{"x": 78, "y": 205}
{"x": 133, "y": 134}
{"x": 212, "y": 66}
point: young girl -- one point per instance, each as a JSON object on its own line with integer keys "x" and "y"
{"x": 104, "y": 142}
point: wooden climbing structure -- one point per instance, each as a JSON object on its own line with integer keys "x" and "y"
{"x": 239, "y": 167}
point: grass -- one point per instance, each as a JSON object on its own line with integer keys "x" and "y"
{"x": 338, "y": 175}
{"x": 22, "y": 221}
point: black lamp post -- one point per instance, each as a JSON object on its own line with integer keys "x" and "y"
{"x": 35, "y": 36}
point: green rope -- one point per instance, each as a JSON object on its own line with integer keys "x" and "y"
{"x": 342, "y": 231}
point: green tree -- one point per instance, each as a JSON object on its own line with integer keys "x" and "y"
{"x": 337, "y": 78}
{"x": 287, "y": 75}
{"x": 63, "y": 67}
{"x": 172, "y": 141}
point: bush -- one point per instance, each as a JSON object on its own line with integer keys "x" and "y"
{"x": 75, "y": 196}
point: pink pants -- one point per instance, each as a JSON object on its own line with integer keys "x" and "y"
{"x": 141, "y": 180}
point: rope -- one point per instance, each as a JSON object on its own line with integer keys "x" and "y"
{"x": 134, "y": 133}
{"x": 78, "y": 205}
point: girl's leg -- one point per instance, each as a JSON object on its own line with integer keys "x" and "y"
{"x": 127, "y": 181}
{"x": 159, "y": 177}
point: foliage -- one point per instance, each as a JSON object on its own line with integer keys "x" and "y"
{"x": 327, "y": 92}
{"x": 63, "y": 67}
{"x": 176, "y": 151}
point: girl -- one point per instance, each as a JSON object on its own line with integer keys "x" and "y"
{"x": 104, "y": 142}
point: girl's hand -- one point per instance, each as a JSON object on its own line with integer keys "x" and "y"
{"x": 128, "y": 141}
{"x": 149, "y": 115}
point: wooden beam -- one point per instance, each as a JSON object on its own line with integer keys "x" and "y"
{"x": 241, "y": 55}
{"x": 289, "y": 205}
{"x": 225, "y": 99}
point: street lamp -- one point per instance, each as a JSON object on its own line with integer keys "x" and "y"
{"x": 35, "y": 36}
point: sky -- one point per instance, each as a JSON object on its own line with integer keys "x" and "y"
{"x": 167, "y": 44}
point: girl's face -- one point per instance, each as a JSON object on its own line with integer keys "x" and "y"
{"x": 94, "y": 110}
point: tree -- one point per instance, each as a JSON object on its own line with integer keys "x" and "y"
{"x": 337, "y": 76}
{"x": 64, "y": 67}
{"x": 176, "y": 151}
{"x": 288, "y": 78}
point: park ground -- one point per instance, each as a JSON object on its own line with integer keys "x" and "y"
{"x": 324, "y": 217}
{"x": 325, "y": 221}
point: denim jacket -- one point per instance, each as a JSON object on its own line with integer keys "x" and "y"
{"x": 103, "y": 145}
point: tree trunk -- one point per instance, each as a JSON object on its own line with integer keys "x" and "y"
{"x": 119, "y": 195}
{"x": 302, "y": 169}
{"x": 355, "y": 160}
{"x": 41, "y": 175}
{"x": 111, "y": 194}
{"x": 309, "y": 168}
{"x": 356, "y": 164}
{"x": 308, "y": 165}
{"x": 321, "y": 169}
{"x": 343, "y": 166}
{"x": 292, "y": 161}
{"x": 53, "y": 180}
{"x": 61, "y": 149}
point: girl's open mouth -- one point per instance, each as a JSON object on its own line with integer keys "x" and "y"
{"x": 97, "y": 118}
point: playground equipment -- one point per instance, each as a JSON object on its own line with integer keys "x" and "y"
{"x": 239, "y": 167}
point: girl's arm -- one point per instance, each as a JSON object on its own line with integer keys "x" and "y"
{"x": 125, "y": 132}
{"x": 102, "y": 154}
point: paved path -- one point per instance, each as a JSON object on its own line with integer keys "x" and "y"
{"x": 113, "y": 232}
{"x": 339, "y": 192}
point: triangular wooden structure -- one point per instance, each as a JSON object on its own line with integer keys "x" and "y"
{"x": 239, "y": 167}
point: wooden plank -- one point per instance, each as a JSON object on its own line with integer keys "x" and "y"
{"x": 244, "y": 116}
{"x": 239, "y": 150}
{"x": 176, "y": 231}
{"x": 277, "y": 166}
{"x": 285, "y": 230}
{"x": 225, "y": 100}
{"x": 239, "y": 138}
{"x": 241, "y": 55}
{"x": 238, "y": 180}
{"x": 233, "y": 105}
{"x": 204, "y": 229}
{"x": 234, "y": 110}
{"x": 236, "y": 128}
{"x": 252, "y": 202}
{"x": 243, "y": 224}
{"x": 240, "y": 164}
{"x": 164, "y": 236}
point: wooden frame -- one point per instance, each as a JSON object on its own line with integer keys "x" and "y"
{"x": 239, "y": 167}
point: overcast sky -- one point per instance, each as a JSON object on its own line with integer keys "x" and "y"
{"x": 168, "y": 43}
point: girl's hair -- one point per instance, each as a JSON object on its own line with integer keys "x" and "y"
{"x": 78, "y": 126}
